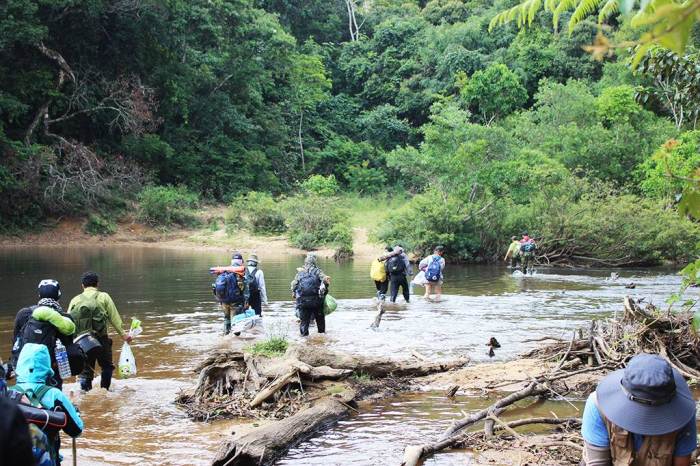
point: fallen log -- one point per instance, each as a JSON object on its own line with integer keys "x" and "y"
{"x": 273, "y": 388}
{"x": 378, "y": 317}
{"x": 372, "y": 366}
{"x": 265, "y": 444}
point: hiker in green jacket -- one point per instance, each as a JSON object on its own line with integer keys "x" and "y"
{"x": 91, "y": 310}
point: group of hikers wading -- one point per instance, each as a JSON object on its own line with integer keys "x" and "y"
{"x": 49, "y": 345}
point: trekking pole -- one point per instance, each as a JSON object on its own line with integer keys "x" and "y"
{"x": 75, "y": 453}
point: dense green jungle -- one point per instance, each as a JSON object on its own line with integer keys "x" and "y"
{"x": 289, "y": 111}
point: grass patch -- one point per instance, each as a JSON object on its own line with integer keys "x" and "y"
{"x": 369, "y": 210}
{"x": 275, "y": 346}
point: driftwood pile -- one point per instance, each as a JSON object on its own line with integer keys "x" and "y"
{"x": 293, "y": 390}
{"x": 607, "y": 345}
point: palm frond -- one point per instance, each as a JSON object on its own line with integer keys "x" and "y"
{"x": 522, "y": 14}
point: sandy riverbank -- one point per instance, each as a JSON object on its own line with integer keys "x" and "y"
{"x": 69, "y": 232}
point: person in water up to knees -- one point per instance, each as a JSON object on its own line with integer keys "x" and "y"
{"x": 527, "y": 253}
{"x": 398, "y": 267}
{"x": 256, "y": 285}
{"x": 92, "y": 310}
{"x": 643, "y": 415}
{"x": 433, "y": 266}
{"x": 379, "y": 275}
{"x": 309, "y": 289}
{"x": 44, "y": 323}
{"x": 33, "y": 372}
{"x": 232, "y": 291}
{"x": 513, "y": 253}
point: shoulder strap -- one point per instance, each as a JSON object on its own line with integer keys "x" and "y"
{"x": 33, "y": 396}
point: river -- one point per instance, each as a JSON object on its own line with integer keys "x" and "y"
{"x": 169, "y": 291}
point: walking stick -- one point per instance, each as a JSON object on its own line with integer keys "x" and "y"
{"x": 75, "y": 453}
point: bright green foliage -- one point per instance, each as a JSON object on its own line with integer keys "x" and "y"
{"x": 665, "y": 174}
{"x": 493, "y": 93}
{"x": 617, "y": 105}
{"x": 659, "y": 22}
{"x": 99, "y": 225}
{"x": 324, "y": 186}
{"x": 167, "y": 205}
{"x": 272, "y": 347}
{"x": 256, "y": 211}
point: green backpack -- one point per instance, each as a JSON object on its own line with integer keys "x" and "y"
{"x": 88, "y": 316}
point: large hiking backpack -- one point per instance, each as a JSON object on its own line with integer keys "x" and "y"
{"x": 253, "y": 285}
{"x": 43, "y": 440}
{"x": 88, "y": 316}
{"x": 396, "y": 265}
{"x": 528, "y": 247}
{"x": 377, "y": 271}
{"x": 229, "y": 287}
{"x": 434, "y": 272}
{"x": 308, "y": 287}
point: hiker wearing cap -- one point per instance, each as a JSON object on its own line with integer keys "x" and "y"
{"x": 232, "y": 290}
{"x": 256, "y": 284}
{"x": 92, "y": 310}
{"x": 643, "y": 415}
{"x": 43, "y": 323}
{"x": 309, "y": 288}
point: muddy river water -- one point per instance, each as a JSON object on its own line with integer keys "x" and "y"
{"x": 169, "y": 291}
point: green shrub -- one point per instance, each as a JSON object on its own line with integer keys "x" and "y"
{"x": 664, "y": 174}
{"x": 258, "y": 211}
{"x": 167, "y": 205}
{"x": 365, "y": 180}
{"x": 320, "y": 185}
{"x": 274, "y": 346}
{"x": 315, "y": 221}
{"x": 98, "y": 225}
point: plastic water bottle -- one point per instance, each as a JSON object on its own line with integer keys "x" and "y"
{"x": 62, "y": 360}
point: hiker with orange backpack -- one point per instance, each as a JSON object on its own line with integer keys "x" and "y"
{"x": 231, "y": 289}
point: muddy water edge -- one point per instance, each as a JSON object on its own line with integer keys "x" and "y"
{"x": 169, "y": 290}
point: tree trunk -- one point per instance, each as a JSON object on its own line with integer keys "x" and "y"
{"x": 301, "y": 142}
{"x": 266, "y": 444}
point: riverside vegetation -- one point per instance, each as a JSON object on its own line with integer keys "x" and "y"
{"x": 285, "y": 113}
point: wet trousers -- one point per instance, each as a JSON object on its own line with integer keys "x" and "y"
{"x": 255, "y": 302}
{"x": 230, "y": 310}
{"x": 527, "y": 261}
{"x": 396, "y": 282}
{"x": 103, "y": 357}
{"x": 382, "y": 288}
{"x": 305, "y": 315}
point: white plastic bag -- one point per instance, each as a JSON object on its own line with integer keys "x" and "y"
{"x": 127, "y": 362}
{"x": 419, "y": 279}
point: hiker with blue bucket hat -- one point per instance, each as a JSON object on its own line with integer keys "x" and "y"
{"x": 643, "y": 415}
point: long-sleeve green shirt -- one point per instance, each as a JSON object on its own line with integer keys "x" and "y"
{"x": 63, "y": 324}
{"x": 106, "y": 304}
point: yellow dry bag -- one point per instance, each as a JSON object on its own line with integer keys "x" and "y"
{"x": 377, "y": 271}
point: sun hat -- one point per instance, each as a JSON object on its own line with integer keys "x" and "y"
{"x": 648, "y": 397}
{"x": 253, "y": 258}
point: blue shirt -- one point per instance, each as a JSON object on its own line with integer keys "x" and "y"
{"x": 594, "y": 431}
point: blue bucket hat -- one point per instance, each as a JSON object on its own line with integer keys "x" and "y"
{"x": 648, "y": 397}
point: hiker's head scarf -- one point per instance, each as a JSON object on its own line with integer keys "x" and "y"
{"x": 52, "y": 303}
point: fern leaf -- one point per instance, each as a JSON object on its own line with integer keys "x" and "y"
{"x": 610, "y": 8}
{"x": 582, "y": 11}
{"x": 564, "y": 5}
{"x": 535, "y": 5}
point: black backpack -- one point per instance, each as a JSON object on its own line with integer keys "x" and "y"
{"x": 396, "y": 265}
{"x": 308, "y": 288}
{"x": 35, "y": 331}
{"x": 253, "y": 281}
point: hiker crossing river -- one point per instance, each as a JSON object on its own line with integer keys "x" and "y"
{"x": 169, "y": 290}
